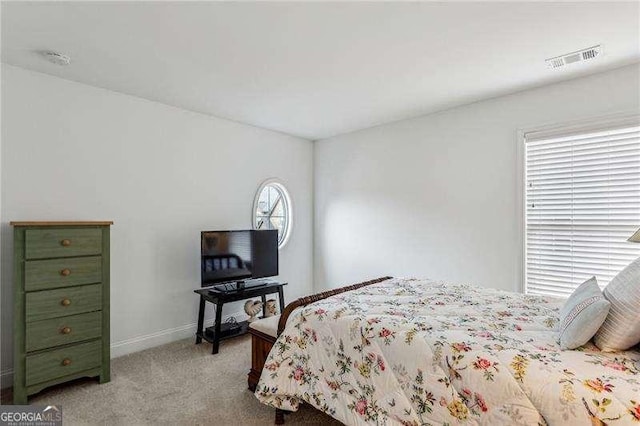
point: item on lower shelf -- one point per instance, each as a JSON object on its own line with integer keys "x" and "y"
{"x": 229, "y": 328}
{"x": 271, "y": 309}
{"x": 253, "y": 308}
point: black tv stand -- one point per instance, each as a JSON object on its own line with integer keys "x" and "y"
{"x": 221, "y": 331}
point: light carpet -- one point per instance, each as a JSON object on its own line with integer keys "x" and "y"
{"x": 178, "y": 383}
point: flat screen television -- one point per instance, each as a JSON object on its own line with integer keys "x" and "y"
{"x": 228, "y": 256}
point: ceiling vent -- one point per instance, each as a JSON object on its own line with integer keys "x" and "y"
{"x": 573, "y": 57}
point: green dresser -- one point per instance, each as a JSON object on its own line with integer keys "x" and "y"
{"x": 61, "y": 309}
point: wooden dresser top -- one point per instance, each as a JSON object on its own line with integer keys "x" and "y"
{"x": 64, "y": 223}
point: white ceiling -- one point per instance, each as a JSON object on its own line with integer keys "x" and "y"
{"x": 317, "y": 69}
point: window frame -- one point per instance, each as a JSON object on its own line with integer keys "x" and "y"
{"x": 593, "y": 123}
{"x": 287, "y": 205}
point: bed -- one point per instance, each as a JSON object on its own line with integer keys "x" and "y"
{"x": 418, "y": 352}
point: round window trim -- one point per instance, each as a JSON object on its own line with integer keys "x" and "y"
{"x": 286, "y": 202}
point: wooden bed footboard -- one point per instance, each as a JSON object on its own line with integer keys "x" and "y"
{"x": 303, "y": 301}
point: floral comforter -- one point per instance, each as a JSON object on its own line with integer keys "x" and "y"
{"x": 418, "y": 352}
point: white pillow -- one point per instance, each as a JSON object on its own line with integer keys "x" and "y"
{"x": 582, "y": 315}
{"x": 621, "y": 329}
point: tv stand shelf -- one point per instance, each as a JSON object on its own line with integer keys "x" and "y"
{"x": 226, "y": 331}
{"x": 221, "y": 331}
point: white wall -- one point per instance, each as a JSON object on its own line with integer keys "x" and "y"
{"x": 71, "y": 151}
{"x": 437, "y": 196}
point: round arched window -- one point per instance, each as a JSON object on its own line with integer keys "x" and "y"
{"x": 272, "y": 209}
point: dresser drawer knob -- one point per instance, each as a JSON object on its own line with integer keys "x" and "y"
{"x": 65, "y": 243}
{"x": 65, "y": 302}
{"x": 65, "y": 272}
{"x": 66, "y": 362}
{"x": 65, "y": 330}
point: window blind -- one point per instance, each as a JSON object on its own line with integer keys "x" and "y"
{"x": 582, "y": 203}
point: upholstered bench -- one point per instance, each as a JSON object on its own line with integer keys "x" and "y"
{"x": 263, "y": 336}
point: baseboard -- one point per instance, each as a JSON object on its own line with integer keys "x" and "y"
{"x": 139, "y": 343}
{"x": 147, "y": 341}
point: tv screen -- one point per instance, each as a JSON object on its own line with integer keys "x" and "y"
{"x": 238, "y": 255}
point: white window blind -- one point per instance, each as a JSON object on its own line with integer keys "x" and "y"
{"x": 582, "y": 203}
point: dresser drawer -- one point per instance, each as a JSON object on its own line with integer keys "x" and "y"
{"x": 62, "y": 362}
{"x": 61, "y": 331}
{"x": 62, "y": 302}
{"x": 65, "y": 272}
{"x": 62, "y": 242}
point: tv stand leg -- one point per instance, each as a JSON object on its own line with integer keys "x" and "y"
{"x": 216, "y": 338}
{"x": 200, "y": 321}
{"x": 281, "y": 299}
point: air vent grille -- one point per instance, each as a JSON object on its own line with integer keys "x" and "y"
{"x": 589, "y": 54}
{"x": 574, "y": 57}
